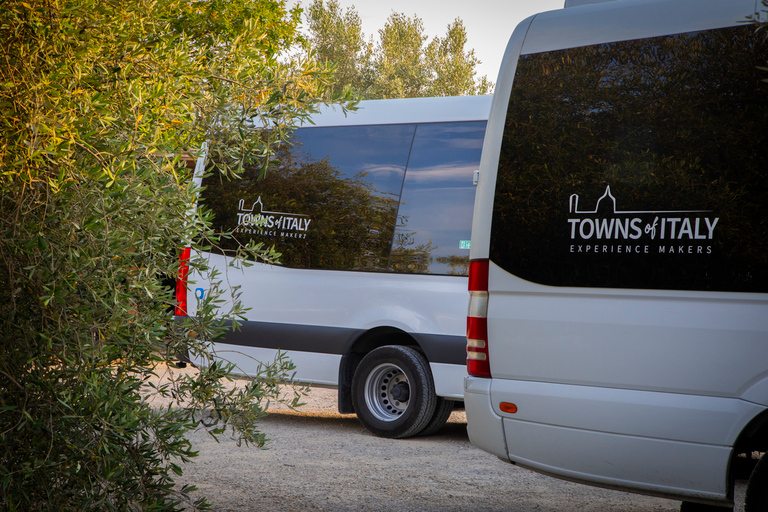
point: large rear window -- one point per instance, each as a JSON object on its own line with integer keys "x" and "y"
{"x": 638, "y": 164}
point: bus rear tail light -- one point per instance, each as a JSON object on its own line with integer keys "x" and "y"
{"x": 181, "y": 283}
{"x": 478, "y": 364}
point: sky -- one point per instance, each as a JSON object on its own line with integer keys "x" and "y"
{"x": 488, "y": 23}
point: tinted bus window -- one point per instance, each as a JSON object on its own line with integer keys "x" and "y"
{"x": 638, "y": 164}
{"x": 435, "y": 216}
{"x": 331, "y": 203}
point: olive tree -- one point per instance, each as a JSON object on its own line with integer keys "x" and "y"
{"x": 403, "y": 63}
{"x": 104, "y": 104}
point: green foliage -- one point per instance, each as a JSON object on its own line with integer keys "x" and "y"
{"x": 337, "y": 37}
{"x": 402, "y": 64}
{"x": 103, "y": 103}
{"x": 399, "y": 64}
{"x": 352, "y": 221}
{"x": 453, "y": 68}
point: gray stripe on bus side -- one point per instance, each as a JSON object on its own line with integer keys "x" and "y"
{"x": 443, "y": 348}
{"x": 438, "y": 348}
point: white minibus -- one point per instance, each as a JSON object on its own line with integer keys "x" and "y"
{"x": 372, "y": 213}
{"x": 618, "y": 317}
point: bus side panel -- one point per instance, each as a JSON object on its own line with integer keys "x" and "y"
{"x": 643, "y": 375}
{"x": 317, "y": 369}
{"x": 319, "y": 312}
{"x": 655, "y": 415}
{"x": 656, "y": 466}
{"x": 449, "y": 379}
{"x": 357, "y": 300}
{"x": 672, "y": 342}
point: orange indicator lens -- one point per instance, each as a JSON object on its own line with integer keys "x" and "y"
{"x": 508, "y": 407}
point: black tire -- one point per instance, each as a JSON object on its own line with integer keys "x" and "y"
{"x": 393, "y": 392}
{"x": 689, "y": 506}
{"x": 443, "y": 410}
{"x": 756, "y": 497}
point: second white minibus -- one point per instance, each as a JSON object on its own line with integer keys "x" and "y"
{"x": 618, "y": 319}
{"x": 372, "y": 213}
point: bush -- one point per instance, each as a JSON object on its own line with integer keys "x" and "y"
{"x": 103, "y": 104}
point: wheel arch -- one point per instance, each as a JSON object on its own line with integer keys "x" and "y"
{"x": 753, "y": 438}
{"x": 362, "y": 345}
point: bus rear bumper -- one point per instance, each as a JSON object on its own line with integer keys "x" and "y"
{"x": 484, "y": 426}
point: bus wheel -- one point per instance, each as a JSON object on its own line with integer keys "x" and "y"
{"x": 393, "y": 392}
{"x": 756, "y": 498}
{"x": 443, "y": 410}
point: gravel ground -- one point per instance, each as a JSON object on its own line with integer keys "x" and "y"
{"x": 319, "y": 460}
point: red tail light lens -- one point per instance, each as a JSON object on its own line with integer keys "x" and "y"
{"x": 478, "y": 364}
{"x": 478, "y": 276}
{"x": 181, "y": 283}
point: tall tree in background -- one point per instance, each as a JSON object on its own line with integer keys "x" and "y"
{"x": 101, "y": 102}
{"x": 338, "y": 39}
{"x": 453, "y": 67}
{"x": 400, "y": 67}
{"x": 402, "y": 64}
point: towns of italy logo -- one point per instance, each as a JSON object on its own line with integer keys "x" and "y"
{"x": 253, "y": 219}
{"x": 607, "y": 229}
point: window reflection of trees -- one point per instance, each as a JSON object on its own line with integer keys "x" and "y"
{"x": 353, "y": 194}
{"x": 669, "y": 123}
{"x": 457, "y": 265}
{"x": 435, "y": 213}
{"x": 407, "y": 257}
{"x": 351, "y": 223}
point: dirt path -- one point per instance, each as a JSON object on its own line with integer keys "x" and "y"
{"x": 319, "y": 460}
